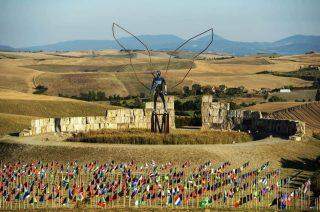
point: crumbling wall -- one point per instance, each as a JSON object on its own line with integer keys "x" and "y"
{"x": 114, "y": 119}
{"x": 216, "y": 115}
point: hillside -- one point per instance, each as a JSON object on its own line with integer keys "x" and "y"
{"x": 308, "y": 113}
{"x": 47, "y": 106}
{"x": 13, "y": 123}
{"x": 17, "y": 109}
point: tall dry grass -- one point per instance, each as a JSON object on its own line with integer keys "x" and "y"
{"x": 137, "y": 136}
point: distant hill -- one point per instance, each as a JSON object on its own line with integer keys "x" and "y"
{"x": 7, "y": 48}
{"x": 297, "y": 44}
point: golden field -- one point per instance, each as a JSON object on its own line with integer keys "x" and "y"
{"x": 71, "y": 73}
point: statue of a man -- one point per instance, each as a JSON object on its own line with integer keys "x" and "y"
{"x": 159, "y": 88}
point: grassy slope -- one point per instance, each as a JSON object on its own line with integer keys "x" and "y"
{"x": 11, "y": 123}
{"x": 17, "y": 109}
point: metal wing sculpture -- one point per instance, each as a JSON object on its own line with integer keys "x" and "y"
{"x": 194, "y": 57}
{"x": 114, "y": 25}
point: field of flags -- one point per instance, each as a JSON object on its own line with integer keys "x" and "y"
{"x": 148, "y": 185}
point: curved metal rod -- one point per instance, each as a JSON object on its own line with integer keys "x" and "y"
{"x": 194, "y": 57}
{"x": 128, "y": 51}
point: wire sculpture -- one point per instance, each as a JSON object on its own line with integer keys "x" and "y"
{"x": 114, "y": 25}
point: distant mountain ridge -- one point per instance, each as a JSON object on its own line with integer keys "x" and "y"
{"x": 296, "y": 44}
{"x": 7, "y": 48}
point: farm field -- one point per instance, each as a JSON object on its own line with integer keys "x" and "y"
{"x": 297, "y": 95}
{"x": 74, "y": 72}
{"x": 270, "y": 107}
{"x": 308, "y": 113}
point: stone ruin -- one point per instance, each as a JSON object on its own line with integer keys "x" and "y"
{"x": 114, "y": 119}
{"x": 217, "y": 115}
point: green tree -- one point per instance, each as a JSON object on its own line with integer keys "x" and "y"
{"x": 196, "y": 89}
{"x": 207, "y": 89}
{"x": 101, "y": 96}
{"x": 186, "y": 91}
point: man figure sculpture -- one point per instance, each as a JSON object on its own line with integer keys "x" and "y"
{"x": 159, "y": 88}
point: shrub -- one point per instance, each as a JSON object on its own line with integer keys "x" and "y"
{"x": 276, "y": 99}
{"x": 40, "y": 89}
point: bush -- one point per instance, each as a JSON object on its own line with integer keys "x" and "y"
{"x": 316, "y": 135}
{"x": 40, "y": 89}
{"x": 135, "y": 136}
{"x": 276, "y": 99}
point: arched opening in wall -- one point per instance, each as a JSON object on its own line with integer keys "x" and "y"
{"x": 57, "y": 124}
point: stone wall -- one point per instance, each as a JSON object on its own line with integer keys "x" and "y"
{"x": 216, "y": 115}
{"x": 114, "y": 119}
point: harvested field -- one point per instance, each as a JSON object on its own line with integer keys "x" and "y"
{"x": 251, "y": 60}
{"x": 57, "y": 68}
{"x": 43, "y": 108}
{"x": 270, "y": 107}
{"x": 308, "y": 113}
{"x": 178, "y": 137}
{"x": 70, "y": 73}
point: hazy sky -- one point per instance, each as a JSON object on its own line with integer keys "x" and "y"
{"x": 37, "y": 22}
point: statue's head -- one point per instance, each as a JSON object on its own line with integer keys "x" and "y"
{"x": 158, "y": 73}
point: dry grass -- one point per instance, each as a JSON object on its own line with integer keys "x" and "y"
{"x": 53, "y": 148}
{"x": 270, "y": 107}
{"x": 13, "y": 102}
{"x": 47, "y": 108}
{"x": 13, "y": 123}
{"x": 17, "y": 109}
{"x": 135, "y": 136}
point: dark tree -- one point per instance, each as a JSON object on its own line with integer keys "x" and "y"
{"x": 186, "y": 91}
{"x": 318, "y": 95}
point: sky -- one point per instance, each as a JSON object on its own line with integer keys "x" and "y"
{"x": 26, "y": 23}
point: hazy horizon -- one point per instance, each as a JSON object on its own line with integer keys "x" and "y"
{"x": 35, "y": 22}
